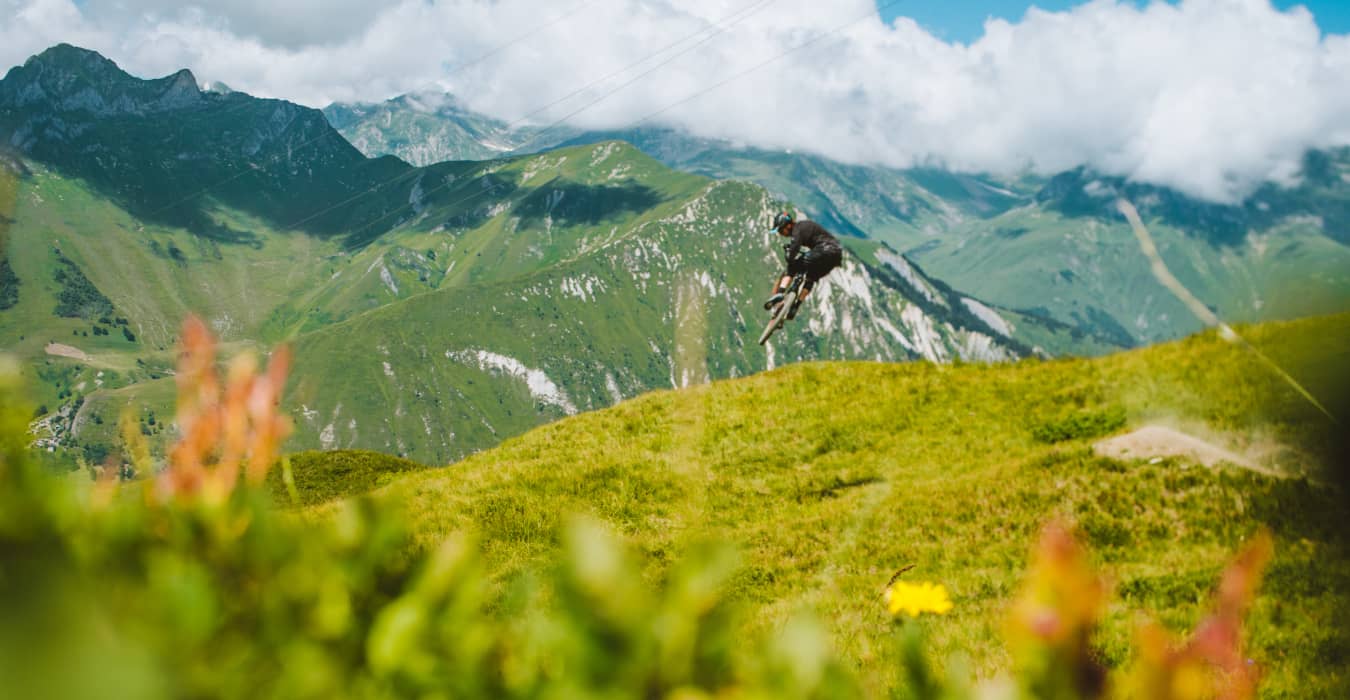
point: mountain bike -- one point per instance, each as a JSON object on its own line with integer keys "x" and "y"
{"x": 791, "y": 298}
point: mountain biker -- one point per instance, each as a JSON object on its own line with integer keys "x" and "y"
{"x": 823, "y": 255}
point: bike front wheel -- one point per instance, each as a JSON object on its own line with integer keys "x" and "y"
{"x": 779, "y": 317}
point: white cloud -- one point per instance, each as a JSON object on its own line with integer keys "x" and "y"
{"x": 1210, "y": 96}
{"x": 289, "y": 24}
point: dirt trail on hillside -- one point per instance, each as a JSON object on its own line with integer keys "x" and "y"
{"x": 67, "y": 351}
{"x": 1156, "y": 441}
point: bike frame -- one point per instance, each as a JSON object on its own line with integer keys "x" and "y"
{"x": 790, "y": 297}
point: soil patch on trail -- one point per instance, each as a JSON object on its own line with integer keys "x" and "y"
{"x": 67, "y": 351}
{"x": 1156, "y": 441}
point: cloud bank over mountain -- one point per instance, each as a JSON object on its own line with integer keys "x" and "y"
{"x": 1209, "y": 96}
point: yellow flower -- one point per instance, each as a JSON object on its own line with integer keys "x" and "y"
{"x": 913, "y": 599}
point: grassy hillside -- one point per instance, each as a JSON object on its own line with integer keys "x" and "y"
{"x": 152, "y": 274}
{"x": 323, "y": 476}
{"x": 831, "y": 476}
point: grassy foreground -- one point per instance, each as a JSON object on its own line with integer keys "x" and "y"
{"x": 830, "y": 477}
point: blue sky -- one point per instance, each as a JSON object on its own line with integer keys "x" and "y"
{"x": 963, "y": 20}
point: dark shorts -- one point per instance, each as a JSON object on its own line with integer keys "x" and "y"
{"x": 816, "y": 264}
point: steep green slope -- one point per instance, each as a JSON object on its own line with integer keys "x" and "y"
{"x": 603, "y": 301}
{"x": 153, "y": 274}
{"x": 831, "y": 476}
{"x": 65, "y": 237}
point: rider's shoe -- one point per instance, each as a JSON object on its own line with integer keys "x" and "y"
{"x": 773, "y": 301}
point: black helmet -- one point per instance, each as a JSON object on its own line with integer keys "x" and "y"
{"x": 781, "y": 219}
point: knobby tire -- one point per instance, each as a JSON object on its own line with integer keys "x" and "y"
{"x": 779, "y": 317}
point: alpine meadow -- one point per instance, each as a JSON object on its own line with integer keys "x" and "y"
{"x": 414, "y": 396}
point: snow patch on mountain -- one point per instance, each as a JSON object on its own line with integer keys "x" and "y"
{"x": 612, "y": 386}
{"x": 387, "y": 278}
{"x": 583, "y": 288}
{"x": 603, "y": 152}
{"x": 884, "y": 324}
{"x": 541, "y": 387}
{"x": 853, "y": 281}
{"x": 978, "y": 347}
{"x": 907, "y": 271}
{"x": 999, "y": 190}
{"x": 927, "y": 341}
{"x": 328, "y": 437}
{"x": 539, "y": 165}
{"x": 706, "y": 281}
{"x": 989, "y": 316}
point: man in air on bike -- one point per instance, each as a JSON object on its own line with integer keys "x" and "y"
{"x": 823, "y": 254}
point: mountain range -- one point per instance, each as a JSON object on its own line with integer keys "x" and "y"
{"x": 434, "y": 310}
{"x": 1054, "y": 246}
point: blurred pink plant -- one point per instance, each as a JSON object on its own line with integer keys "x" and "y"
{"x": 1210, "y": 663}
{"x": 225, "y": 427}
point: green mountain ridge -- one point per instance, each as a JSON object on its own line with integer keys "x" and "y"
{"x": 480, "y": 298}
{"x": 1056, "y": 247}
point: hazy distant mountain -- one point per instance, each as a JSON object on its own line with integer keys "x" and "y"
{"x": 426, "y": 129}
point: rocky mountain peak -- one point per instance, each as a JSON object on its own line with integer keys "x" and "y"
{"x": 70, "y": 79}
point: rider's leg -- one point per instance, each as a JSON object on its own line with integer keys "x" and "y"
{"x": 777, "y": 295}
{"x": 820, "y": 266}
{"x": 806, "y": 291}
